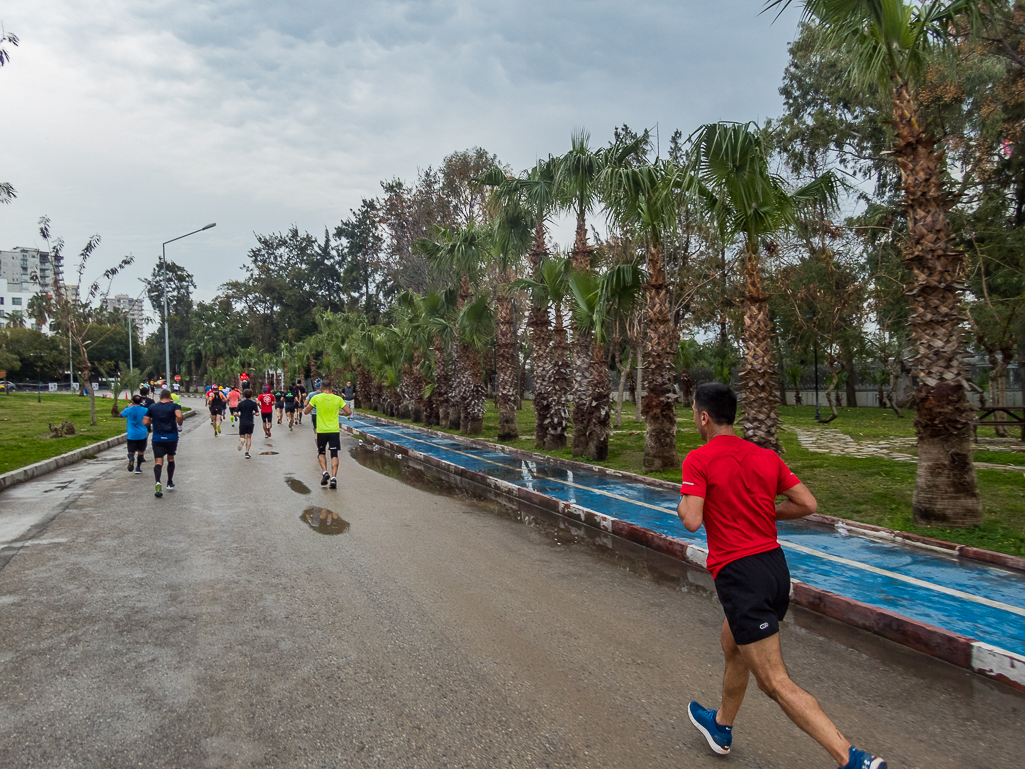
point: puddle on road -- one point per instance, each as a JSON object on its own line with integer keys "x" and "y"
{"x": 324, "y": 521}
{"x": 267, "y": 453}
{"x": 296, "y": 485}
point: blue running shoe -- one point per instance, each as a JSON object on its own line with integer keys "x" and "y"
{"x": 859, "y": 759}
{"x": 719, "y": 737}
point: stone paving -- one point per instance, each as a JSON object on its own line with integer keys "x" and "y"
{"x": 829, "y": 440}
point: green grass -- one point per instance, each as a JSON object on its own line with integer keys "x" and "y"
{"x": 24, "y": 434}
{"x": 872, "y": 490}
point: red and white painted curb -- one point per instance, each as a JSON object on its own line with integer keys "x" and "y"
{"x": 962, "y": 651}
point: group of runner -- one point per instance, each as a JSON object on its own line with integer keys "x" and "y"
{"x": 163, "y": 420}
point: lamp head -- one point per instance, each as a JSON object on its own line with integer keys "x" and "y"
{"x": 212, "y": 224}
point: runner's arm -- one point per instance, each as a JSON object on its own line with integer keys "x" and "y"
{"x": 178, "y": 416}
{"x": 799, "y": 502}
{"x": 691, "y": 511}
{"x": 309, "y": 408}
{"x": 147, "y": 421}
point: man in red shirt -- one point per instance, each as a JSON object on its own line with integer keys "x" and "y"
{"x": 266, "y": 401}
{"x": 730, "y": 486}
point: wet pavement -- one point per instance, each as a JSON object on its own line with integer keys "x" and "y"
{"x": 966, "y": 597}
{"x": 217, "y": 627}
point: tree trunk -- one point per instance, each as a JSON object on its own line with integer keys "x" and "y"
{"x": 624, "y": 374}
{"x": 476, "y": 393}
{"x": 508, "y": 371}
{"x": 946, "y": 490}
{"x": 440, "y": 411}
{"x": 660, "y": 345}
{"x": 851, "y": 384}
{"x": 758, "y": 374}
{"x": 583, "y": 343}
{"x": 638, "y": 344}
{"x": 599, "y": 418}
{"x": 560, "y": 387}
{"x": 537, "y": 322}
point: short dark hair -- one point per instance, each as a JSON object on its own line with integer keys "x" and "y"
{"x": 144, "y": 390}
{"x": 718, "y": 401}
{"x": 325, "y": 383}
{"x": 137, "y": 399}
{"x": 247, "y": 393}
{"x": 165, "y": 394}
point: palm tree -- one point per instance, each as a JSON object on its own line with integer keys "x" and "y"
{"x": 646, "y": 200}
{"x": 461, "y": 254}
{"x": 578, "y": 185}
{"x": 597, "y": 298}
{"x": 510, "y": 240}
{"x": 476, "y": 330}
{"x": 538, "y": 192}
{"x": 729, "y": 169}
{"x": 890, "y": 43}
{"x": 551, "y": 291}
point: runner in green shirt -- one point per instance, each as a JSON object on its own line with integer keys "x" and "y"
{"x": 328, "y": 406}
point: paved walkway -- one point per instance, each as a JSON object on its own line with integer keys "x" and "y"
{"x": 829, "y": 440}
{"x": 966, "y": 597}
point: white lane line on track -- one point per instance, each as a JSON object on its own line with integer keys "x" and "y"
{"x": 786, "y": 543}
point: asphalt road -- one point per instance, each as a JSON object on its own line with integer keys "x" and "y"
{"x": 216, "y": 628}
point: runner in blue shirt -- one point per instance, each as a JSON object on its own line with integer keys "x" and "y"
{"x": 137, "y": 433}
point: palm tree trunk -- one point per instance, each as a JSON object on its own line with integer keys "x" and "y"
{"x": 758, "y": 375}
{"x": 623, "y": 376}
{"x": 560, "y": 388}
{"x": 660, "y": 345}
{"x": 537, "y": 322}
{"x": 441, "y": 384}
{"x": 599, "y": 418}
{"x": 508, "y": 371}
{"x": 477, "y": 393}
{"x": 946, "y": 490}
{"x": 583, "y": 344}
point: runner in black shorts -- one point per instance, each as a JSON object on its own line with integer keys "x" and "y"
{"x": 300, "y": 404}
{"x": 290, "y": 403}
{"x": 279, "y": 403}
{"x": 730, "y": 487}
{"x": 247, "y": 411}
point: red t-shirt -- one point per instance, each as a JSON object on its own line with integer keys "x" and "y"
{"x": 739, "y": 483}
{"x": 266, "y": 401}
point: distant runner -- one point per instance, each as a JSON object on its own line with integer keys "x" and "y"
{"x": 313, "y": 409}
{"x": 137, "y": 432}
{"x": 300, "y": 403}
{"x": 146, "y": 402}
{"x": 217, "y": 402}
{"x": 164, "y": 417}
{"x": 349, "y": 394}
{"x": 247, "y": 411}
{"x": 279, "y": 403}
{"x": 266, "y": 402}
{"x": 730, "y": 486}
{"x": 328, "y": 407}
{"x": 290, "y": 400}
{"x": 234, "y": 396}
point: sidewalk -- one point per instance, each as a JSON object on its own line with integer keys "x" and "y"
{"x": 970, "y": 613}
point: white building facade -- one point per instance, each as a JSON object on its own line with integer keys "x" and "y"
{"x": 132, "y": 308}
{"x": 13, "y": 300}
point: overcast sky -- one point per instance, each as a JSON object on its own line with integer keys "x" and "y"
{"x": 141, "y": 120}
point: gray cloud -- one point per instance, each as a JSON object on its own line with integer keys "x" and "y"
{"x": 141, "y": 120}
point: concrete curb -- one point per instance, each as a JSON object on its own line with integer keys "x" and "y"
{"x": 27, "y": 473}
{"x": 968, "y": 653}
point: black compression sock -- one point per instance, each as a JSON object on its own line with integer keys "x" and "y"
{"x": 170, "y": 471}
{"x": 156, "y": 472}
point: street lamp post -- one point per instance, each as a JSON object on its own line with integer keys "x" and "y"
{"x": 167, "y": 344}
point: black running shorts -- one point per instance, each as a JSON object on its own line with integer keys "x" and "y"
{"x": 755, "y": 594}
{"x": 246, "y": 429}
{"x": 136, "y": 447}
{"x": 268, "y": 417}
{"x": 289, "y": 408}
{"x": 168, "y": 449}
{"x": 330, "y": 441}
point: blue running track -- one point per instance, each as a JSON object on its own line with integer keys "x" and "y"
{"x": 966, "y": 597}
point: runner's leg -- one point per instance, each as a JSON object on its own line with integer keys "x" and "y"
{"x": 765, "y": 659}
{"x": 734, "y": 680}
